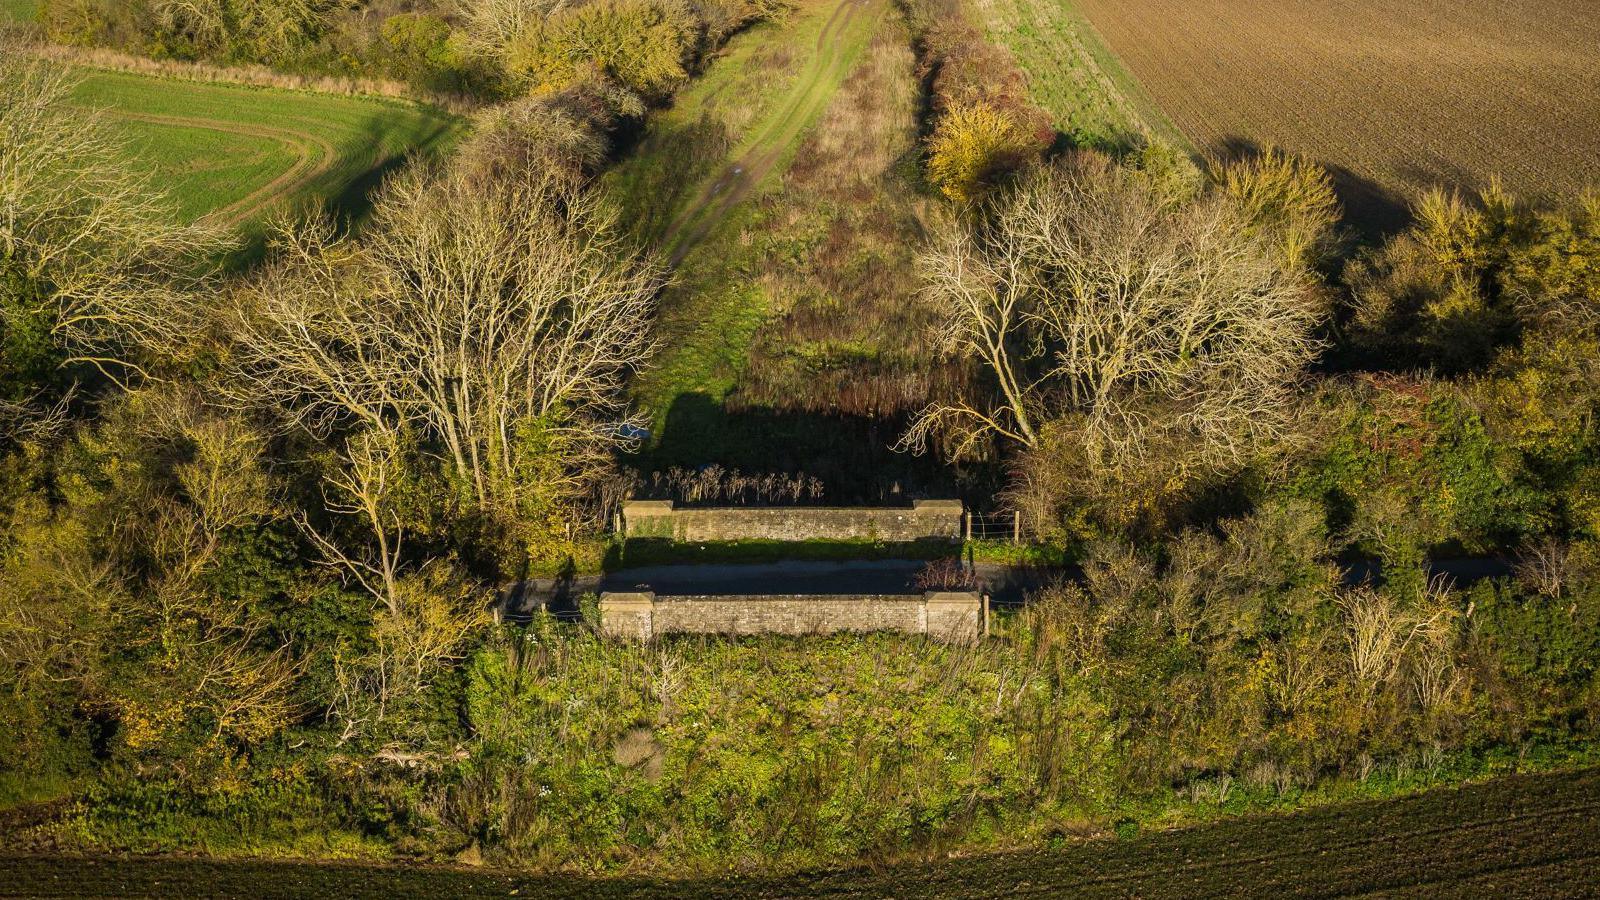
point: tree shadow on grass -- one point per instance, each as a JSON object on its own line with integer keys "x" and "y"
{"x": 346, "y": 199}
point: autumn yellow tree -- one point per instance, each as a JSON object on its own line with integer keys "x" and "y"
{"x": 974, "y": 148}
{"x": 642, "y": 45}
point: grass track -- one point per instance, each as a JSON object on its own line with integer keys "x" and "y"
{"x": 711, "y": 314}
{"x": 234, "y": 152}
{"x": 1091, "y": 97}
{"x": 843, "y": 37}
{"x": 1516, "y": 836}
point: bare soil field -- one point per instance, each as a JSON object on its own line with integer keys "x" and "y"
{"x": 1393, "y": 95}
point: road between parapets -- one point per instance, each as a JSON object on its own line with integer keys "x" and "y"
{"x": 1005, "y": 584}
{"x": 779, "y": 134}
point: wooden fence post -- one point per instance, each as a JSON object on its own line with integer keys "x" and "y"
{"x": 1016, "y": 527}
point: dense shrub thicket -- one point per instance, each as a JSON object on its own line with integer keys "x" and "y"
{"x": 489, "y": 49}
{"x": 982, "y": 125}
{"x": 249, "y": 523}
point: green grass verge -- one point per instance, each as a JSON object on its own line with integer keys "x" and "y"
{"x": 1093, "y": 98}
{"x": 238, "y": 151}
{"x": 1008, "y": 554}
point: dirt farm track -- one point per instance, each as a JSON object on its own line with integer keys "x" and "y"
{"x": 1393, "y": 95}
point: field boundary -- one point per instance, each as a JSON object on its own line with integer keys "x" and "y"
{"x": 259, "y": 78}
{"x": 1520, "y": 835}
{"x": 1124, "y": 85}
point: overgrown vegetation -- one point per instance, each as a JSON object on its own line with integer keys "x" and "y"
{"x": 252, "y": 522}
{"x": 489, "y": 49}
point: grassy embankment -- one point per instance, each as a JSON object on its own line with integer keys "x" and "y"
{"x": 791, "y": 340}
{"x": 1094, "y": 100}
{"x": 235, "y": 153}
{"x": 1516, "y": 836}
{"x": 697, "y": 189}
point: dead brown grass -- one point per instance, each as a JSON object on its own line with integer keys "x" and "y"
{"x": 1393, "y": 97}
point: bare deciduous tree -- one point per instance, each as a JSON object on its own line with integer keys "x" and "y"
{"x": 1387, "y": 640}
{"x": 489, "y": 26}
{"x": 271, "y": 26}
{"x": 1543, "y": 568}
{"x": 98, "y": 243}
{"x": 1375, "y": 635}
{"x": 1099, "y": 301}
{"x": 425, "y": 614}
{"x": 363, "y": 489}
{"x": 491, "y": 315}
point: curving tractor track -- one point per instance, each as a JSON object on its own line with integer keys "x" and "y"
{"x": 314, "y": 157}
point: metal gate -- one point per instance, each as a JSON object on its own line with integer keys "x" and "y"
{"x": 994, "y": 527}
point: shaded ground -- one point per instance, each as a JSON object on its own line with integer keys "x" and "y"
{"x": 1006, "y": 585}
{"x": 1517, "y": 836}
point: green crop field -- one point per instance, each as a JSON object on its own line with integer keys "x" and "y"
{"x": 18, "y": 10}
{"x": 1518, "y": 836}
{"x": 234, "y": 152}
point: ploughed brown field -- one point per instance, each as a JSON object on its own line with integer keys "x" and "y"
{"x": 1393, "y": 95}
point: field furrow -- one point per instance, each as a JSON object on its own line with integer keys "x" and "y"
{"x": 1392, "y": 97}
{"x": 1518, "y": 836}
{"x": 314, "y": 157}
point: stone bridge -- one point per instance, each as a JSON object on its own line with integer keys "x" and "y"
{"x": 959, "y": 617}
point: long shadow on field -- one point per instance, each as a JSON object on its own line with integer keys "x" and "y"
{"x": 1371, "y": 211}
{"x": 350, "y": 202}
{"x": 852, "y": 455}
